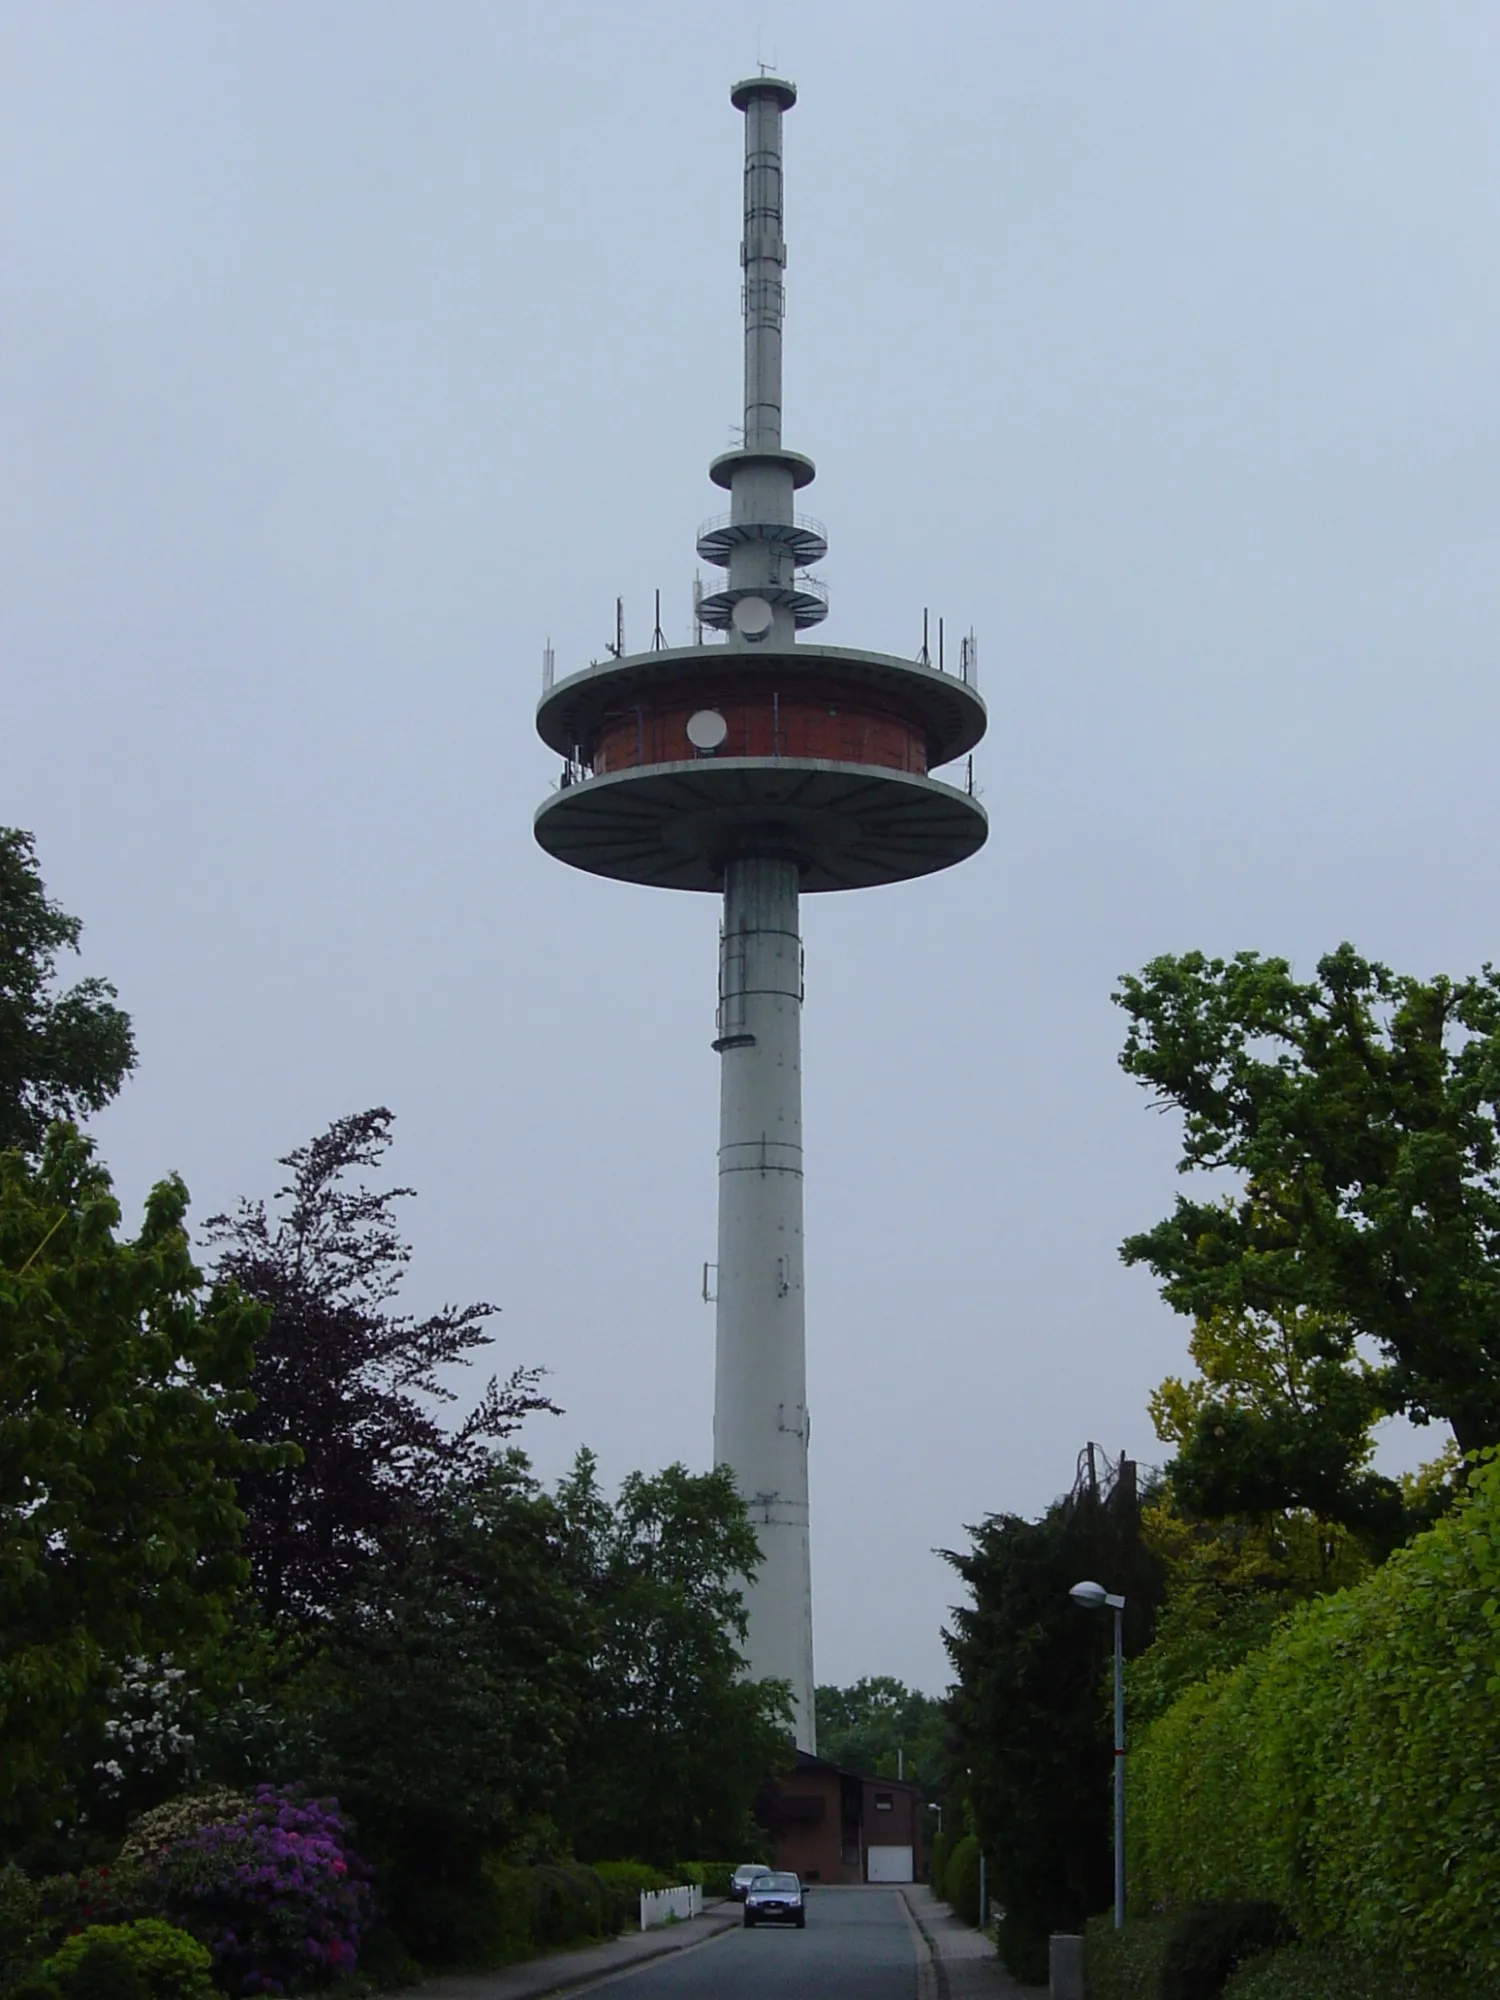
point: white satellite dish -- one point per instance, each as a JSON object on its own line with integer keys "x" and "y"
{"x": 752, "y": 617}
{"x": 706, "y": 729}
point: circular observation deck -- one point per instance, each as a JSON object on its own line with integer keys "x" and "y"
{"x": 722, "y": 469}
{"x": 847, "y": 826}
{"x": 806, "y": 597}
{"x": 681, "y": 760}
{"x": 805, "y": 539}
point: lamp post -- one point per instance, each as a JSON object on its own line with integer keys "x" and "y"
{"x": 1094, "y": 1597}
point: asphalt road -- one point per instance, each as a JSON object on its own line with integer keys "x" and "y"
{"x": 857, "y": 1946}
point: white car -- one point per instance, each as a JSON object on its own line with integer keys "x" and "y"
{"x": 741, "y": 1879}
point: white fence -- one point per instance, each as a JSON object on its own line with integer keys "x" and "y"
{"x": 659, "y": 1906}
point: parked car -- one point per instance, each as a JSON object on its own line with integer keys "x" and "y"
{"x": 741, "y": 1879}
{"x": 773, "y": 1898}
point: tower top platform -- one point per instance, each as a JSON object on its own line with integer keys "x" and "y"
{"x": 743, "y": 94}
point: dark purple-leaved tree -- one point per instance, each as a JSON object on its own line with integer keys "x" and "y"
{"x": 352, "y": 1383}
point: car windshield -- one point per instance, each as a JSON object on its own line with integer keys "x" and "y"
{"x": 749, "y": 1872}
{"x": 765, "y": 1883}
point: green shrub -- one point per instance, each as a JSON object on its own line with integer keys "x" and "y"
{"x": 1124, "y": 1964}
{"x": 100, "y": 1969}
{"x": 961, "y": 1879}
{"x": 712, "y": 1877}
{"x": 19, "y": 1927}
{"x": 1349, "y": 1771}
{"x": 510, "y": 1908}
{"x": 66, "y": 1904}
{"x": 385, "y": 1961}
{"x": 942, "y": 1847}
{"x": 593, "y": 1899}
{"x": 33, "y": 1986}
{"x": 567, "y": 1902}
{"x": 625, "y": 1882}
{"x": 1207, "y": 1941}
{"x": 469, "y": 1923}
{"x": 1023, "y": 1950}
{"x": 167, "y": 1962}
{"x": 1322, "y": 1972}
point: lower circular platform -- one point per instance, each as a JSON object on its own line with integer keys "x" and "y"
{"x": 849, "y": 826}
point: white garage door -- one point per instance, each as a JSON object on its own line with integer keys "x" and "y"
{"x": 889, "y": 1864}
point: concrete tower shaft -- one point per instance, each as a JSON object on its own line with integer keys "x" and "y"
{"x": 760, "y": 1365}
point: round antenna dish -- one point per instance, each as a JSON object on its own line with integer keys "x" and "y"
{"x": 753, "y": 617}
{"x": 706, "y": 729}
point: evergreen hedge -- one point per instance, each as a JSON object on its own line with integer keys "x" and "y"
{"x": 1124, "y": 1964}
{"x": 1349, "y": 1771}
{"x": 961, "y": 1879}
{"x": 1320, "y": 1972}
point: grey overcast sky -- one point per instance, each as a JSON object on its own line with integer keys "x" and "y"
{"x": 353, "y": 349}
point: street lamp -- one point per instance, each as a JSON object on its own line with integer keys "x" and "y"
{"x": 939, "y": 1811}
{"x": 1094, "y": 1597}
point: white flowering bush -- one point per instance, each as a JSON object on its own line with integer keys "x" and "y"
{"x": 146, "y": 1736}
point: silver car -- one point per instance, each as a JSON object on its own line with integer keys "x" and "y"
{"x": 740, "y": 1880}
{"x": 775, "y": 1899}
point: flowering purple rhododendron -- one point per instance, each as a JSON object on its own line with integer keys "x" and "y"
{"x": 276, "y": 1894}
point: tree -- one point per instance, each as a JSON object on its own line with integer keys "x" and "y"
{"x": 1031, "y": 1712}
{"x": 61, "y": 1054}
{"x": 880, "y": 1723}
{"x": 1358, "y": 1111}
{"x": 1281, "y": 1417}
{"x": 444, "y": 1699}
{"x": 674, "y": 1744}
{"x": 352, "y": 1384}
{"x": 1228, "y": 1584}
{"x": 119, "y": 1383}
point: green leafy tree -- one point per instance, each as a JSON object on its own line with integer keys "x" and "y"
{"x": 1358, "y": 1113}
{"x": 443, "y": 1703}
{"x": 119, "y": 1383}
{"x": 1280, "y": 1418}
{"x": 1032, "y": 1720}
{"x": 880, "y": 1724}
{"x": 675, "y": 1744}
{"x": 61, "y": 1053}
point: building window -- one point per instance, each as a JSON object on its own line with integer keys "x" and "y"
{"x": 884, "y": 1802}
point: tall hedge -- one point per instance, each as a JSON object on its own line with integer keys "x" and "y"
{"x": 961, "y": 1879}
{"x": 1350, "y": 1770}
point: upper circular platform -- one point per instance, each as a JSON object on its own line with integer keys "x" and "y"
{"x": 806, "y": 597}
{"x": 847, "y": 826}
{"x": 805, "y": 538}
{"x": 763, "y": 86}
{"x": 721, "y": 470}
{"x": 947, "y": 711}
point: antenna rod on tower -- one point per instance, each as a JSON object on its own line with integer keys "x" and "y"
{"x": 763, "y": 255}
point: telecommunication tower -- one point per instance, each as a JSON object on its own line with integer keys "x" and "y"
{"x": 758, "y": 766}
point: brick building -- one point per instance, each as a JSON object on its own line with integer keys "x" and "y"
{"x": 831, "y": 1825}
